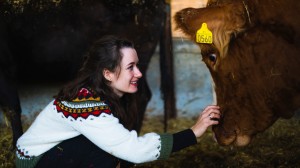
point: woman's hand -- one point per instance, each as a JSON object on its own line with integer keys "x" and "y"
{"x": 209, "y": 116}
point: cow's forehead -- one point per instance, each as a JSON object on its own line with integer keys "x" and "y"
{"x": 221, "y": 21}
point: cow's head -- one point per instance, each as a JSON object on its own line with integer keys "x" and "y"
{"x": 254, "y": 67}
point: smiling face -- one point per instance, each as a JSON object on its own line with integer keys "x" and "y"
{"x": 125, "y": 78}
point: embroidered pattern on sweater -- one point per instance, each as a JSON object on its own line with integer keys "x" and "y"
{"x": 21, "y": 153}
{"x": 84, "y": 105}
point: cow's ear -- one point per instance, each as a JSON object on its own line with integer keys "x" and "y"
{"x": 223, "y": 21}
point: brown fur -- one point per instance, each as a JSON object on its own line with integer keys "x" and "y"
{"x": 257, "y": 44}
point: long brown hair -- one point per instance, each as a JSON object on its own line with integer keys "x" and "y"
{"x": 103, "y": 54}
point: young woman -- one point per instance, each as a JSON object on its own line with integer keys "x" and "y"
{"x": 90, "y": 124}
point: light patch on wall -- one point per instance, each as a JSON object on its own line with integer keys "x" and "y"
{"x": 177, "y": 5}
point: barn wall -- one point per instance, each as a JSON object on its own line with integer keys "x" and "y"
{"x": 192, "y": 80}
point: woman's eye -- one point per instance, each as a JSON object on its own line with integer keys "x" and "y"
{"x": 130, "y": 67}
{"x": 212, "y": 57}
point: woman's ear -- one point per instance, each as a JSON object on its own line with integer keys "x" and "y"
{"x": 107, "y": 74}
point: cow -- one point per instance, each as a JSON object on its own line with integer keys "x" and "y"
{"x": 45, "y": 40}
{"x": 252, "y": 50}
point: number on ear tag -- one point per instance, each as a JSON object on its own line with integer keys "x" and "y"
{"x": 204, "y": 35}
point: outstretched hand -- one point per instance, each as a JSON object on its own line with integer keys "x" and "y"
{"x": 209, "y": 116}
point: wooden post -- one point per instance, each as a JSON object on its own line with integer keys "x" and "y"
{"x": 166, "y": 67}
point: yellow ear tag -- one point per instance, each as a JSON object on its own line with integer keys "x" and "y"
{"x": 204, "y": 35}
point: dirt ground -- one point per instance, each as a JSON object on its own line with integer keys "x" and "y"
{"x": 278, "y": 147}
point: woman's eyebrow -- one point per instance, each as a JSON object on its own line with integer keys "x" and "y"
{"x": 131, "y": 63}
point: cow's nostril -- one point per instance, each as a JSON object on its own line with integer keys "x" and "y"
{"x": 242, "y": 140}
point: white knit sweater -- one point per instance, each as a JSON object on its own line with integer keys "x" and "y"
{"x": 91, "y": 117}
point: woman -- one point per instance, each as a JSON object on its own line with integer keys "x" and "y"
{"x": 90, "y": 124}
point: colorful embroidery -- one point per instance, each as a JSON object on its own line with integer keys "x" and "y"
{"x": 83, "y": 106}
{"x": 84, "y": 95}
{"x": 22, "y": 154}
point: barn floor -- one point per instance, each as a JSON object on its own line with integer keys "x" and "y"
{"x": 278, "y": 147}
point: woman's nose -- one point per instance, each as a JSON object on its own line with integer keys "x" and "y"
{"x": 138, "y": 73}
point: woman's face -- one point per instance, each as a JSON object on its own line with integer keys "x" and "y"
{"x": 125, "y": 80}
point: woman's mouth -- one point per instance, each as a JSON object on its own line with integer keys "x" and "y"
{"x": 134, "y": 83}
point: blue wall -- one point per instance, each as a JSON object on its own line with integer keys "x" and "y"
{"x": 192, "y": 80}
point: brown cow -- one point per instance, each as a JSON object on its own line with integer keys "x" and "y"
{"x": 254, "y": 60}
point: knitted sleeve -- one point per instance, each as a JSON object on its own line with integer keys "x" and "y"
{"x": 106, "y": 132}
{"x": 183, "y": 139}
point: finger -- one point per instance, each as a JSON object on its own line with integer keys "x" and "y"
{"x": 212, "y": 111}
{"x": 211, "y": 107}
{"x": 214, "y": 122}
{"x": 211, "y": 121}
{"x": 214, "y": 116}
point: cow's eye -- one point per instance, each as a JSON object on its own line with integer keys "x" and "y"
{"x": 212, "y": 57}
